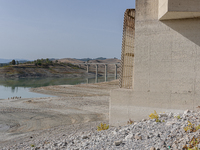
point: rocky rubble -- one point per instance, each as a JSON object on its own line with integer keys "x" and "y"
{"x": 147, "y": 134}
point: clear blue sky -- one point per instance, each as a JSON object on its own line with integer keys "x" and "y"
{"x": 33, "y": 29}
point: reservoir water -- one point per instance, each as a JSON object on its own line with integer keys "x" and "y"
{"x": 20, "y": 87}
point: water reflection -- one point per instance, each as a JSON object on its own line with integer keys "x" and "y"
{"x": 13, "y": 89}
{"x": 96, "y": 79}
{"x": 20, "y": 87}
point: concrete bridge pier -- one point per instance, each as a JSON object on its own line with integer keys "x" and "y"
{"x": 105, "y": 72}
{"x": 87, "y": 80}
{"x": 87, "y": 68}
{"x": 96, "y": 79}
{"x": 115, "y": 71}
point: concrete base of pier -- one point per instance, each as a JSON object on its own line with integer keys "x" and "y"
{"x": 126, "y": 104}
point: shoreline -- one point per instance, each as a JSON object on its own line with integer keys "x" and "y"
{"x": 75, "y": 106}
{"x": 22, "y": 88}
{"x": 91, "y": 89}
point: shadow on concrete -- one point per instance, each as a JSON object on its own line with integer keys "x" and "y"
{"x": 189, "y": 28}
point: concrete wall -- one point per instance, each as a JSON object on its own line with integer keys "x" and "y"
{"x": 178, "y": 9}
{"x": 167, "y": 53}
{"x": 126, "y": 104}
{"x": 166, "y": 67}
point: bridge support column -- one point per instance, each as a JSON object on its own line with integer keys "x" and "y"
{"x": 96, "y": 74}
{"x": 87, "y": 68}
{"x": 115, "y": 71}
{"x": 87, "y": 80}
{"x": 105, "y": 72}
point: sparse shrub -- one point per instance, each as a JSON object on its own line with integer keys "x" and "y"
{"x": 39, "y": 63}
{"x": 102, "y": 127}
{"x": 193, "y": 144}
{"x": 154, "y": 116}
{"x": 13, "y": 62}
{"x": 158, "y": 120}
{"x": 178, "y": 117}
{"x": 73, "y": 66}
{"x": 130, "y": 121}
{"x": 191, "y": 127}
{"x": 195, "y": 141}
{"x": 32, "y": 145}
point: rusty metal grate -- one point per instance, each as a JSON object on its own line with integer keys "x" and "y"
{"x": 127, "y": 53}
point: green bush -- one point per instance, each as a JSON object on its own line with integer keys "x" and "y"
{"x": 13, "y": 62}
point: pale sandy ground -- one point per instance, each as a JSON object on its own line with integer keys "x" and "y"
{"x": 76, "y": 107}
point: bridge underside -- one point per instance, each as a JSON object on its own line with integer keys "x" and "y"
{"x": 178, "y": 9}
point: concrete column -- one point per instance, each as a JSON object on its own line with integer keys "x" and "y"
{"x": 96, "y": 79}
{"x": 87, "y": 80}
{"x": 96, "y": 70}
{"x": 115, "y": 71}
{"x": 105, "y": 72}
{"x": 87, "y": 68}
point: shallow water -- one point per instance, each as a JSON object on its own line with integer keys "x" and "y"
{"x": 20, "y": 87}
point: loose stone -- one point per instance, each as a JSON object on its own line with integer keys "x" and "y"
{"x": 143, "y": 135}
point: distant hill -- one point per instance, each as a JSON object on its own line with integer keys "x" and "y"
{"x": 70, "y": 60}
{"x": 89, "y": 60}
{"x": 58, "y": 68}
{"x": 43, "y": 70}
{"x": 2, "y": 61}
{"x": 84, "y": 59}
{"x": 5, "y": 60}
{"x": 106, "y": 61}
{"x": 92, "y": 68}
{"x": 65, "y": 60}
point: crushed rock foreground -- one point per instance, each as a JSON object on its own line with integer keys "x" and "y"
{"x": 144, "y": 135}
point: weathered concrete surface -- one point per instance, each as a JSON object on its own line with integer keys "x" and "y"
{"x": 127, "y": 104}
{"x": 178, "y": 9}
{"x": 166, "y": 66}
{"x": 167, "y": 53}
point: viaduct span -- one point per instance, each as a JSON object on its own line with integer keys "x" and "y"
{"x": 97, "y": 65}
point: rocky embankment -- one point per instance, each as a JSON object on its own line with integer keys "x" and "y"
{"x": 171, "y": 131}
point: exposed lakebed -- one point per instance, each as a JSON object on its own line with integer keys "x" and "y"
{"x": 22, "y": 119}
